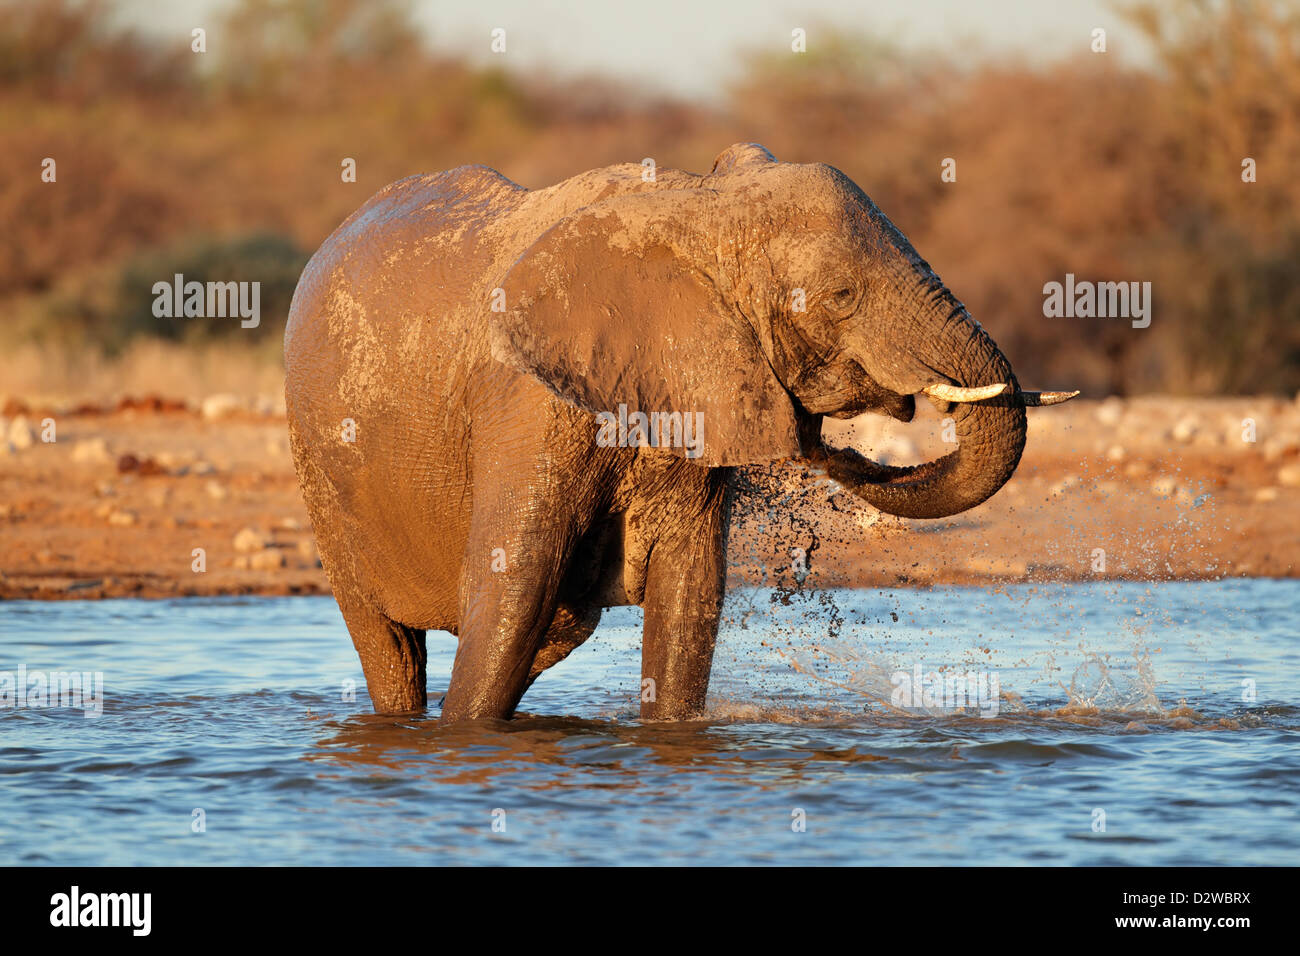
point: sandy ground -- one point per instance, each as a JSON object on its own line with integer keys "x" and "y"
{"x": 150, "y": 498}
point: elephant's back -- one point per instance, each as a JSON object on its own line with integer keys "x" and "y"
{"x": 377, "y": 353}
{"x": 390, "y": 294}
{"x": 414, "y": 249}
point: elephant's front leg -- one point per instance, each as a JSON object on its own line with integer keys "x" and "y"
{"x": 526, "y": 521}
{"x": 507, "y": 604}
{"x": 685, "y": 581}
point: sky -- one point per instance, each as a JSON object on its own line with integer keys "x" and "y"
{"x": 690, "y": 47}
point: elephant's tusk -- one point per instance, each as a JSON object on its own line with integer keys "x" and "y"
{"x": 1034, "y": 399}
{"x": 954, "y": 393}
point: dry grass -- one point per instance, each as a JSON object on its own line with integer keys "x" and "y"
{"x": 52, "y": 375}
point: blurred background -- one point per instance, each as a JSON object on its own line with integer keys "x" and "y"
{"x": 225, "y": 165}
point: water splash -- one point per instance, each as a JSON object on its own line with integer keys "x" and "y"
{"x": 1097, "y": 685}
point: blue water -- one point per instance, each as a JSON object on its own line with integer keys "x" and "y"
{"x": 1128, "y": 731}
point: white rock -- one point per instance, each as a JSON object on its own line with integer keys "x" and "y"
{"x": 1186, "y": 429}
{"x": 91, "y": 451}
{"x": 220, "y": 406}
{"x": 217, "y": 491}
{"x": 1116, "y": 453}
{"x": 1066, "y": 483}
{"x": 21, "y": 434}
{"x": 266, "y": 560}
{"x": 170, "y": 460}
{"x": 1266, "y": 494}
{"x": 250, "y": 539}
{"x": 122, "y": 518}
{"x": 1288, "y": 476}
{"x": 1110, "y": 411}
{"x": 1164, "y": 486}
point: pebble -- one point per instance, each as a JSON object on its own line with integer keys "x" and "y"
{"x": 122, "y": 518}
{"x": 93, "y": 451}
{"x": 250, "y": 539}
{"x": 1164, "y": 486}
{"x": 1069, "y": 481}
{"x": 21, "y": 434}
{"x": 220, "y": 406}
{"x": 1186, "y": 429}
{"x": 267, "y": 560}
{"x": 1110, "y": 412}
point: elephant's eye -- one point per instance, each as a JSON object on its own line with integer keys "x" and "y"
{"x": 843, "y": 299}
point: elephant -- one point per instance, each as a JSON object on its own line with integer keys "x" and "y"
{"x": 470, "y": 367}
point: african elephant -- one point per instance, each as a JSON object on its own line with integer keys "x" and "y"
{"x": 463, "y": 357}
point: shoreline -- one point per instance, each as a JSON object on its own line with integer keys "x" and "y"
{"x": 1149, "y": 489}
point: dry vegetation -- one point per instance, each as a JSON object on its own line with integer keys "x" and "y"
{"x": 228, "y": 164}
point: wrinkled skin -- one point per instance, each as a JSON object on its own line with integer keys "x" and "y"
{"x": 474, "y": 497}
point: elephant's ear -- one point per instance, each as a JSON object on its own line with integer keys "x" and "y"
{"x": 741, "y": 156}
{"x": 606, "y": 309}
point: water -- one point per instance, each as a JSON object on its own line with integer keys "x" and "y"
{"x": 1119, "y": 698}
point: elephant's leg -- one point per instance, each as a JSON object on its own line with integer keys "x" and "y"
{"x": 683, "y": 600}
{"x": 507, "y": 602}
{"x": 504, "y": 619}
{"x": 392, "y": 657}
{"x": 569, "y": 628}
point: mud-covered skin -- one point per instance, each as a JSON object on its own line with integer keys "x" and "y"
{"x": 472, "y": 496}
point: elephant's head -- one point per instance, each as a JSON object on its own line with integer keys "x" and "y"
{"x": 762, "y": 297}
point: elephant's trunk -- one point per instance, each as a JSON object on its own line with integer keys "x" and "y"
{"x": 990, "y": 433}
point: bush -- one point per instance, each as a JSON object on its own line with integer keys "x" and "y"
{"x": 108, "y": 308}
